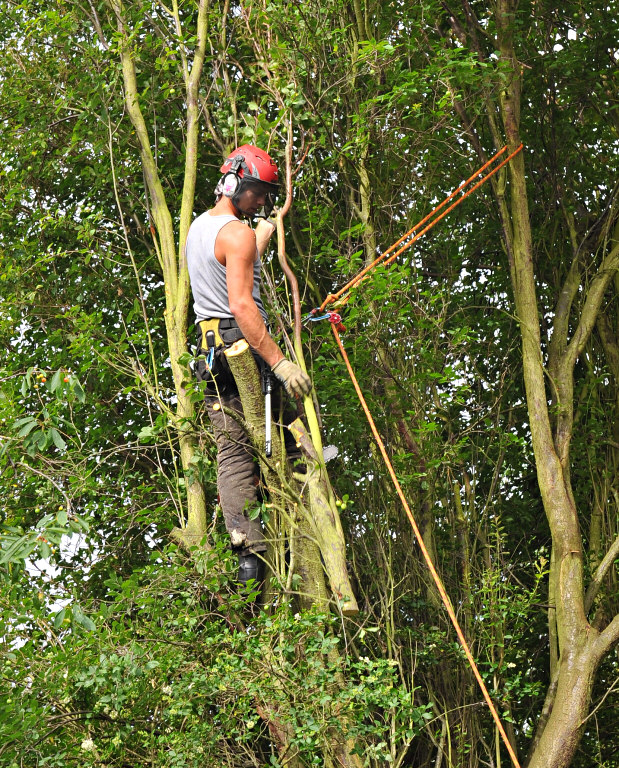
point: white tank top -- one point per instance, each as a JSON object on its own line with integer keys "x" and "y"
{"x": 206, "y": 275}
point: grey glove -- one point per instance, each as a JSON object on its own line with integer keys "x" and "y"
{"x": 270, "y": 217}
{"x": 292, "y": 377}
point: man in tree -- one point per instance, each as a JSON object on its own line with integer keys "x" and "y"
{"x": 224, "y": 262}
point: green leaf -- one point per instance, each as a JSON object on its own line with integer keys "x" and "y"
{"x": 77, "y": 389}
{"x": 80, "y": 618}
{"x": 45, "y": 550}
{"x": 57, "y": 439}
{"x": 59, "y": 618}
{"x": 146, "y": 434}
{"x": 27, "y": 427}
{"x": 19, "y": 548}
{"x": 22, "y": 421}
{"x": 56, "y": 381}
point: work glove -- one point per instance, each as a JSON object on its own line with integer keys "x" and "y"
{"x": 292, "y": 377}
{"x": 272, "y": 218}
{"x": 268, "y": 213}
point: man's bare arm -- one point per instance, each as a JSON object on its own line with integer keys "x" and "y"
{"x": 239, "y": 246}
{"x": 264, "y": 231}
{"x": 237, "y": 250}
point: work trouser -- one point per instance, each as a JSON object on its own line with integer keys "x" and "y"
{"x": 237, "y": 469}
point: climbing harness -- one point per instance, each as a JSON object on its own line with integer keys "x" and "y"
{"x": 319, "y": 313}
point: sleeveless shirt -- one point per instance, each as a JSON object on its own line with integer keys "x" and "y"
{"x": 206, "y": 275}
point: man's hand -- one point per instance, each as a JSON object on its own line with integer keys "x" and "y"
{"x": 272, "y": 217}
{"x": 264, "y": 229}
{"x": 292, "y": 377}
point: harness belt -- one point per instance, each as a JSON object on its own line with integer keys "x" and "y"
{"x": 226, "y": 331}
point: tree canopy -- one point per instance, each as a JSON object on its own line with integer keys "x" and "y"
{"x": 488, "y": 353}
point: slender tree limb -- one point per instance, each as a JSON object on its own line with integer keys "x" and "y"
{"x": 600, "y": 573}
{"x": 134, "y": 265}
{"x": 192, "y": 82}
{"x": 96, "y": 22}
{"x": 611, "y": 688}
{"x": 607, "y": 638}
{"x": 593, "y": 302}
{"x": 560, "y": 326}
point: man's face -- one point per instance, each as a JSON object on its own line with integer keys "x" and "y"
{"x": 253, "y": 197}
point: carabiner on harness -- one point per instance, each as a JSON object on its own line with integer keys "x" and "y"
{"x": 210, "y": 344}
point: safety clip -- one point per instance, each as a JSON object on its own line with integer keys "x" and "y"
{"x": 332, "y": 317}
{"x": 210, "y": 343}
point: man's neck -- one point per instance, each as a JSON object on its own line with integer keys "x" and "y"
{"x": 224, "y": 207}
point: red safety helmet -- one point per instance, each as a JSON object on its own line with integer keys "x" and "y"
{"x": 249, "y": 162}
{"x": 245, "y": 165}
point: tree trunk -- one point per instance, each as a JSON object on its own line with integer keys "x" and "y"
{"x": 579, "y": 646}
{"x": 314, "y": 530}
{"x": 176, "y": 279}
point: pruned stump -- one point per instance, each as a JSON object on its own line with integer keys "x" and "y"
{"x": 326, "y": 523}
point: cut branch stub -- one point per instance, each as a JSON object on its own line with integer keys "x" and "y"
{"x": 247, "y": 378}
{"x": 326, "y": 522}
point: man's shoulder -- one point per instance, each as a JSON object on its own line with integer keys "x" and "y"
{"x": 237, "y": 233}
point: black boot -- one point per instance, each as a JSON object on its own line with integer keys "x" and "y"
{"x": 251, "y": 566}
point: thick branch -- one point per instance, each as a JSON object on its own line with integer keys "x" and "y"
{"x": 593, "y": 302}
{"x": 161, "y": 212}
{"x": 326, "y": 522}
{"x": 560, "y": 326}
{"x": 192, "y": 81}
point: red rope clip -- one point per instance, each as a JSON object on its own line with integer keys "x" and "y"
{"x": 337, "y": 322}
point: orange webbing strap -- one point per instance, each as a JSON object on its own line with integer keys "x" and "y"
{"x": 428, "y": 559}
{"x": 383, "y": 257}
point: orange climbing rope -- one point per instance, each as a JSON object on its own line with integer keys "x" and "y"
{"x": 383, "y": 257}
{"x": 336, "y": 326}
{"x": 426, "y": 554}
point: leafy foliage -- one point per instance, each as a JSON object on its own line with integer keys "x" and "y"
{"x": 118, "y": 650}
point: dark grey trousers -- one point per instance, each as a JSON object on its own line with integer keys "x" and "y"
{"x": 237, "y": 469}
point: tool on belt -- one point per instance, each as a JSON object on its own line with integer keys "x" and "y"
{"x": 215, "y": 335}
{"x": 209, "y": 337}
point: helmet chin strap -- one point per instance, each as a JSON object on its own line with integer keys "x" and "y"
{"x": 240, "y": 211}
{"x": 263, "y": 213}
{"x": 236, "y": 198}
